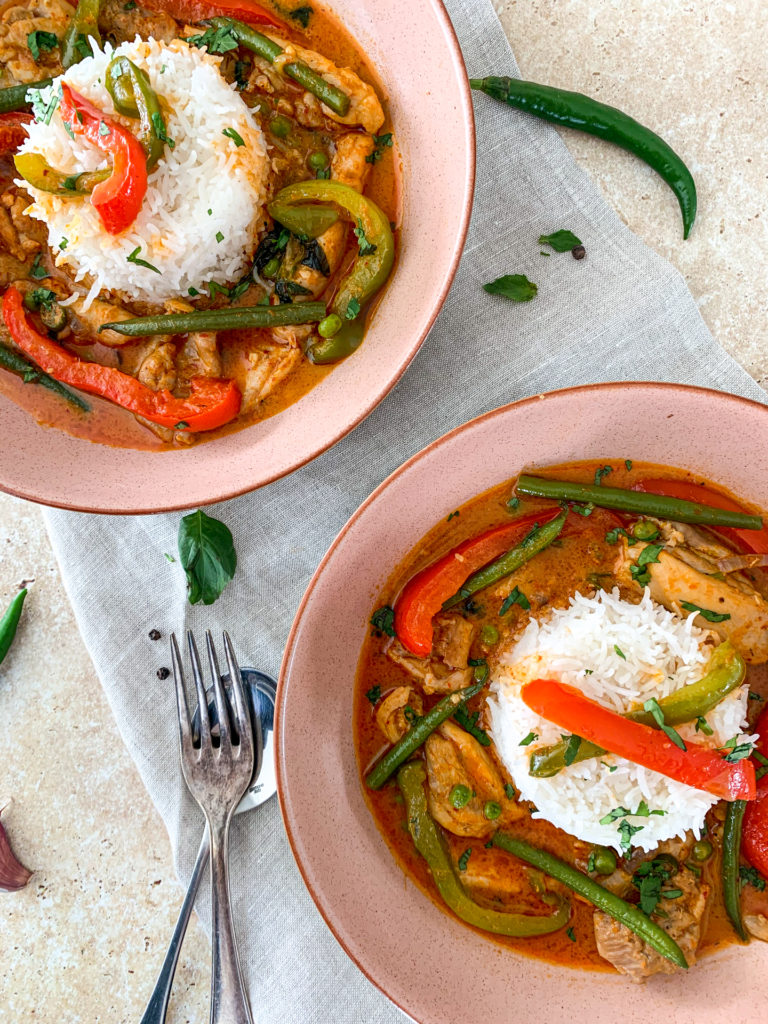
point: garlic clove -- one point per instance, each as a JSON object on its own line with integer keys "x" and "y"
{"x": 13, "y": 874}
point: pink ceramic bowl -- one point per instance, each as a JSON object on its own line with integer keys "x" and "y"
{"x": 431, "y": 108}
{"x": 428, "y": 963}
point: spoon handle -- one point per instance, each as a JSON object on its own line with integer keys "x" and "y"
{"x": 157, "y": 1007}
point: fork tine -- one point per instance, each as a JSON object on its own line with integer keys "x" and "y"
{"x": 202, "y": 700}
{"x": 185, "y": 731}
{"x": 250, "y": 731}
{"x": 222, "y": 704}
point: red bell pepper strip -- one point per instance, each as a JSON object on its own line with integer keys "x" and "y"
{"x": 118, "y": 199}
{"x": 191, "y": 11}
{"x": 754, "y": 829}
{"x": 699, "y": 767}
{"x": 211, "y": 404}
{"x": 12, "y": 131}
{"x": 424, "y": 595}
{"x": 752, "y": 541}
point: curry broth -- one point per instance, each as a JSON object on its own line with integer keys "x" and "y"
{"x": 375, "y": 668}
{"x": 111, "y": 425}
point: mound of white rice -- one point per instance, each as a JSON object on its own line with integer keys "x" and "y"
{"x": 579, "y": 645}
{"x": 205, "y": 197}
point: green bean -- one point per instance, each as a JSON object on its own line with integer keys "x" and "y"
{"x": 84, "y": 23}
{"x": 10, "y": 622}
{"x": 13, "y": 361}
{"x": 539, "y": 538}
{"x": 730, "y": 865}
{"x": 637, "y": 501}
{"x": 417, "y": 734}
{"x": 15, "y": 96}
{"x": 604, "y": 900}
{"x": 229, "y": 318}
{"x": 248, "y": 37}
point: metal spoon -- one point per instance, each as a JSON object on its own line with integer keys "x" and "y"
{"x": 261, "y": 690}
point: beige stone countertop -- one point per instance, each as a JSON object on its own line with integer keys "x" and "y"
{"x": 83, "y": 942}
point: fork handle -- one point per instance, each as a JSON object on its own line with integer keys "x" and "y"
{"x": 229, "y": 1003}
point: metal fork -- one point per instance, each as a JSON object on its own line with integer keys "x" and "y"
{"x": 217, "y": 777}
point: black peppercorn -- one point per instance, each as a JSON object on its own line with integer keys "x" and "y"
{"x": 163, "y": 673}
{"x": 578, "y": 252}
{"x": 155, "y": 634}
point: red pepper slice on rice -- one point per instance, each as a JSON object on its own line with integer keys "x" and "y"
{"x": 118, "y": 199}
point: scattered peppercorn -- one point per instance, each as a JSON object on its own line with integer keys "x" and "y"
{"x": 578, "y": 252}
{"x": 163, "y": 673}
{"x": 155, "y": 634}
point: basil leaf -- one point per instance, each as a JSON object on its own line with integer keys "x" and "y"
{"x": 207, "y": 553}
{"x": 516, "y": 287}
{"x": 383, "y": 620}
{"x": 560, "y": 241}
{"x": 705, "y": 613}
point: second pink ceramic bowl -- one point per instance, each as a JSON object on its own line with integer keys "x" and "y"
{"x": 428, "y": 963}
{"x": 423, "y": 72}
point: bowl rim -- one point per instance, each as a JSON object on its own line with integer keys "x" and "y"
{"x": 291, "y": 642}
{"x": 468, "y": 121}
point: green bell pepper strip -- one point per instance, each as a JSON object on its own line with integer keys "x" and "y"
{"x": 85, "y": 23}
{"x": 15, "y": 96}
{"x": 539, "y": 538}
{"x": 14, "y": 362}
{"x": 228, "y": 318}
{"x": 133, "y": 96}
{"x": 35, "y": 169}
{"x": 725, "y": 671}
{"x": 734, "y": 817}
{"x": 641, "y": 502}
{"x": 369, "y": 273}
{"x": 306, "y": 220}
{"x": 574, "y": 110}
{"x": 261, "y": 45}
{"x": 342, "y": 344}
{"x": 626, "y": 913}
{"x": 430, "y": 844}
{"x": 417, "y": 734}
{"x": 10, "y": 622}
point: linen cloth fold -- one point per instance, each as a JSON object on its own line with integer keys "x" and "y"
{"x": 620, "y": 314}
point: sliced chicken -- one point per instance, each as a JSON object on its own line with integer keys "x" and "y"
{"x": 199, "y": 356}
{"x": 97, "y": 314}
{"x": 757, "y": 925}
{"x": 364, "y": 108}
{"x": 126, "y": 22}
{"x": 17, "y": 22}
{"x": 392, "y": 714}
{"x": 673, "y": 581}
{"x": 433, "y": 675}
{"x": 454, "y": 758}
{"x": 453, "y": 635}
{"x": 158, "y": 367}
{"x": 268, "y": 366}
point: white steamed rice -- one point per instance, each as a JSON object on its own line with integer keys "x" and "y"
{"x": 204, "y": 189}
{"x": 577, "y": 645}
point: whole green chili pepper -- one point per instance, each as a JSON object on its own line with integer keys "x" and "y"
{"x": 248, "y": 37}
{"x": 626, "y": 913}
{"x": 13, "y": 361}
{"x": 428, "y": 841}
{"x": 306, "y": 219}
{"x": 417, "y": 734}
{"x": 539, "y": 538}
{"x": 15, "y": 96}
{"x": 643, "y": 503}
{"x": 574, "y": 110}
{"x": 725, "y": 671}
{"x": 734, "y": 817}
{"x": 10, "y": 622}
{"x": 133, "y": 96}
{"x": 84, "y": 23}
{"x": 35, "y": 169}
{"x": 228, "y": 318}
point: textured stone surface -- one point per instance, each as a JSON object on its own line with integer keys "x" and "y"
{"x": 83, "y": 941}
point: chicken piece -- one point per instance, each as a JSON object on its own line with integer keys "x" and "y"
{"x": 98, "y": 313}
{"x": 687, "y": 535}
{"x": 631, "y": 956}
{"x": 9, "y": 238}
{"x": 433, "y": 675}
{"x": 17, "y": 22}
{"x": 391, "y": 716}
{"x": 453, "y": 635}
{"x": 158, "y": 366}
{"x": 754, "y": 909}
{"x": 364, "y": 108}
{"x": 121, "y": 24}
{"x": 269, "y": 365}
{"x": 454, "y": 758}
{"x": 757, "y": 925}
{"x": 32, "y": 234}
{"x": 11, "y": 269}
{"x": 308, "y": 111}
{"x": 673, "y": 581}
{"x": 199, "y": 356}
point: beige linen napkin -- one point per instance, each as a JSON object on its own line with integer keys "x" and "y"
{"x": 621, "y": 314}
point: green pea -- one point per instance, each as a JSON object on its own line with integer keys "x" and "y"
{"x": 492, "y": 810}
{"x": 489, "y": 635}
{"x": 280, "y": 126}
{"x": 317, "y": 161}
{"x": 602, "y": 861}
{"x": 460, "y": 796}
{"x": 702, "y": 850}
{"x": 271, "y": 268}
{"x": 330, "y": 326}
{"x": 645, "y": 530}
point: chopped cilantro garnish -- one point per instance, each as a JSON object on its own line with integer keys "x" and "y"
{"x": 469, "y": 724}
{"x": 383, "y": 620}
{"x": 702, "y": 725}
{"x": 158, "y": 125}
{"x": 37, "y": 272}
{"x": 353, "y": 308}
{"x": 738, "y": 751}
{"x": 219, "y": 236}
{"x": 380, "y": 143}
{"x": 626, "y": 831}
{"x": 614, "y": 815}
{"x": 241, "y": 74}
{"x": 619, "y": 651}
{"x": 600, "y": 472}
{"x": 628, "y": 464}
{"x": 364, "y": 247}
{"x": 63, "y": 244}
{"x": 528, "y": 739}
{"x": 516, "y": 596}
{"x": 509, "y": 791}
{"x": 37, "y": 41}
{"x": 610, "y": 767}
{"x": 571, "y": 748}
{"x": 513, "y": 503}
{"x": 464, "y": 859}
{"x": 193, "y": 292}
{"x": 751, "y": 876}
{"x": 451, "y": 516}
{"x": 654, "y": 708}
{"x": 612, "y": 536}
{"x": 583, "y": 510}
{"x": 217, "y": 40}
{"x": 705, "y": 613}
{"x": 302, "y": 15}
{"x": 234, "y": 135}
{"x": 570, "y": 933}
{"x": 134, "y": 258}
{"x": 752, "y": 694}
{"x": 104, "y": 129}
